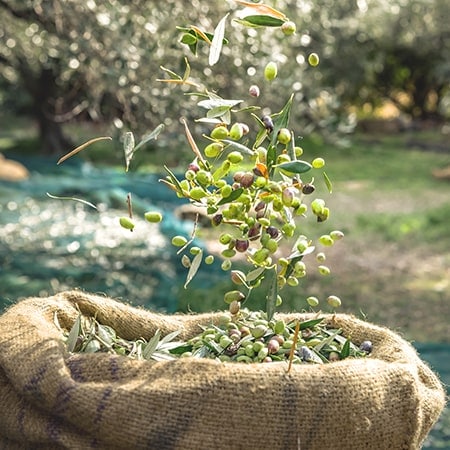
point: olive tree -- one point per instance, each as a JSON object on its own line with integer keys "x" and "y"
{"x": 101, "y": 60}
{"x": 98, "y": 60}
{"x": 378, "y": 50}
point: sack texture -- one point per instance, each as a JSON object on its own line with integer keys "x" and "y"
{"x": 56, "y": 400}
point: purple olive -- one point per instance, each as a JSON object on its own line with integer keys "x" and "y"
{"x": 366, "y": 346}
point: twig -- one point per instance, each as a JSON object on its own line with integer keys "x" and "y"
{"x": 294, "y": 345}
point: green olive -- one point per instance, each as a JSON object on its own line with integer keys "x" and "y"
{"x": 153, "y": 216}
{"x": 270, "y": 71}
{"x": 126, "y": 223}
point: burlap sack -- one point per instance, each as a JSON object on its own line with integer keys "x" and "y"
{"x": 51, "y": 399}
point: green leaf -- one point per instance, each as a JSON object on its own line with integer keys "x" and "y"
{"x": 326, "y": 341}
{"x": 169, "y": 337}
{"x": 271, "y": 298}
{"x": 328, "y": 183}
{"x": 73, "y": 334}
{"x": 255, "y": 274}
{"x": 295, "y": 166}
{"x": 291, "y": 148}
{"x": 174, "y": 180}
{"x": 149, "y": 137}
{"x": 294, "y": 258}
{"x": 226, "y": 118}
{"x": 345, "y": 352}
{"x": 217, "y": 111}
{"x": 281, "y": 120}
{"x": 193, "y": 269}
{"x": 238, "y": 146}
{"x": 245, "y": 23}
{"x": 82, "y": 147}
{"x": 181, "y": 349}
{"x": 72, "y": 198}
{"x": 220, "y": 173}
{"x": 310, "y": 323}
{"x": 215, "y": 102}
{"x": 210, "y": 120}
{"x": 128, "y": 148}
{"x": 152, "y": 345}
{"x": 193, "y": 48}
{"x": 271, "y": 157}
{"x": 210, "y": 36}
{"x": 263, "y": 21}
{"x": 249, "y": 108}
{"x": 233, "y": 196}
{"x": 217, "y": 42}
{"x": 213, "y": 347}
{"x": 187, "y": 71}
{"x": 260, "y": 137}
{"x": 171, "y": 73}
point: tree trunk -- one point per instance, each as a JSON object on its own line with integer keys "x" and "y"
{"x": 42, "y": 89}
{"x": 51, "y": 135}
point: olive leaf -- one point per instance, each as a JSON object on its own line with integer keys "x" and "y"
{"x": 82, "y": 147}
{"x": 173, "y": 183}
{"x": 281, "y": 119}
{"x": 193, "y": 269}
{"x": 192, "y": 35}
{"x": 262, "y": 9}
{"x": 218, "y": 111}
{"x": 217, "y": 41}
{"x": 73, "y": 334}
{"x": 214, "y": 101}
{"x": 149, "y": 137}
{"x": 255, "y": 274}
{"x": 260, "y": 21}
{"x": 271, "y": 157}
{"x": 177, "y": 79}
{"x": 310, "y": 323}
{"x": 345, "y": 352}
{"x": 189, "y": 39}
{"x": 233, "y": 196}
{"x": 271, "y": 298}
{"x": 168, "y": 338}
{"x": 238, "y": 146}
{"x": 192, "y": 141}
{"x": 151, "y": 346}
{"x": 180, "y": 349}
{"x": 327, "y": 341}
{"x": 296, "y": 166}
{"x": 129, "y": 147}
{"x": 328, "y": 183}
{"x": 75, "y": 199}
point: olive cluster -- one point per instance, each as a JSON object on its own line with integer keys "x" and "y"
{"x": 250, "y": 337}
{"x": 256, "y": 194}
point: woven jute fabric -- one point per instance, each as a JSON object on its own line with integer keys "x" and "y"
{"x": 52, "y": 399}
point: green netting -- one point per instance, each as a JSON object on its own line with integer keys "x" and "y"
{"x": 47, "y": 245}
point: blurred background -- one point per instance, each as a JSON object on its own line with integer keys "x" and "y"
{"x": 377, "y": 108}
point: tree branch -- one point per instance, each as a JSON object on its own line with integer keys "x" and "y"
{"x": 29, "y": 15}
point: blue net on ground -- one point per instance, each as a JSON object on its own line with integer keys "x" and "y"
{"x": 47, "y": 245}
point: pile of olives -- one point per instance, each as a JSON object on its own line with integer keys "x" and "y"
{"x": 249, "y": 337}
